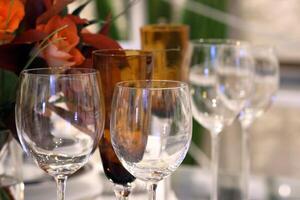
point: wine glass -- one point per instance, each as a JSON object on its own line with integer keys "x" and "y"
{"x": 266, "y": 83}
{"x": 60, "y": 119}
{"x": 151, "y": 128}
{"x": 117, "y": 65}
{"x": 221, "y": 79}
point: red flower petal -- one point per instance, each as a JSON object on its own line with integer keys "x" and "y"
{"x": 78, "y": 20}
{"x": 100, "y": 41}
{"x": 30, "y": 36}
{"x": 48, "y": 3}
{"x": 54, "y": 10}
{"x": 33, "y": 9}
{"x": 77, "y": 56}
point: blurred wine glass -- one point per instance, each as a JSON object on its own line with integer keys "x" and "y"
{"x": 118, "y": 65}
{"x": 266, "y": 83}
{"x": 151, "y": 128}
{"x": 60, "y": 119}
{"x": 221, "y": 79}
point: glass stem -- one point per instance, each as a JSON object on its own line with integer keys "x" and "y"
{"x": 122, "y": 192}
{"x": 61, "y": 182}
{"x": 245, "y": 177}
{"x": 215, "y": 165}
{"x": 152, "y": 190}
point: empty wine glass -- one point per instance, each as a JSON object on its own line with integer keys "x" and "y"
{"x": 266, "y": 82}
{"x": 60, "y": 119}
{"x": 151, "y": 128}
{"x": 221, "y": 76}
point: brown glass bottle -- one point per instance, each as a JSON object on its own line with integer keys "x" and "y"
{"x": 113, "y": 169}
{"x": 115, "y": 66}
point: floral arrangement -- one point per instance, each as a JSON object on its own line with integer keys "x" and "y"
{"x": 39, "y": 33}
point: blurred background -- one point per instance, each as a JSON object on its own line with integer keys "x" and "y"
{"x": 275, "y": 139}
{"x": 259, "y": 21}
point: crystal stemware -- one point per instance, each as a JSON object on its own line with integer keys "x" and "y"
{"x": 266, "y": 83}
{"x": 60, "y": 119}
{"x": 221, "y": 79}
{"x": 151, "y": 128}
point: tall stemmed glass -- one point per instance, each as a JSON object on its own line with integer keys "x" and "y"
{"x": 266, "y": 82}
{"x": 117, "y": 65}
{"x": 221, "y": 77}
{"x": 60, "y": 119}
{"x": 151, "y": 128}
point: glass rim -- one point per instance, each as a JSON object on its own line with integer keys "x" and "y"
{"x": 78, "y": 71}
{"x": 219, "y": 42}
{"x": 177, "y": 85}
{"x": 101, "y": 52}
{"x": 164, "y": 27}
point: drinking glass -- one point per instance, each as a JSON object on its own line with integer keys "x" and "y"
{"x": 151, "y": 128}
{"x": 118, "y": 65}
{"x": 266, "y": 83}
{"x": 60, "y": 119}
{"x": 221, "y": 79}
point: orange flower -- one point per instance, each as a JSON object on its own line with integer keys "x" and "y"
{"x": 11, "y": 14}
{"x": 61, "y": 50}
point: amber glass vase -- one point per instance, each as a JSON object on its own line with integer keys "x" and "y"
{"x": 115, "y": 66}
{"x": 169, "y": 44}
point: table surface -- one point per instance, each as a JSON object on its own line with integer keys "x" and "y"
{"x": 188, "y": 183}
{"x": 90, "y": 184}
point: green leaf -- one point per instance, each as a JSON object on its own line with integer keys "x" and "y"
{"x": 64, "y": 12}
{"x": 2, "y": 126}
{"x": 4, "y": 138}
{"x": 4, "y": 195}
{"x": 8, "y": 88}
